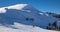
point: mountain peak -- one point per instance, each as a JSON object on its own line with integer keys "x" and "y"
{"x": 17, "y": 6}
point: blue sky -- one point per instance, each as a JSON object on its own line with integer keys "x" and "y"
{"x": 42, "y": 5}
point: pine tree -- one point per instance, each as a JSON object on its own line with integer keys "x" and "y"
{"x": 27, "y": 19}
{"x": 54, "y": 24}
{"x": 49, "y": 24}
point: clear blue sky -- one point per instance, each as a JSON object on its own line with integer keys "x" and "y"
{"x": 42, "y": 5}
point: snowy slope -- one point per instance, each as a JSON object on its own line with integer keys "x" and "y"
{"x": 23, "y": 28}
{"x": 18, "y": 13}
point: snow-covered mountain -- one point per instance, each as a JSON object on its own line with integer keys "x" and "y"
{"x": 26, "y": 18}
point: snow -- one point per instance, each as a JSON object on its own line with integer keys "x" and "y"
{"x": 2, "y": 10}
{"x": 17, "y": 6}
{"x": 23, "y": 28}
{"x": 41, "y": 13}
{"x": 26, "y": 10}
{"x": 13, "y": 19}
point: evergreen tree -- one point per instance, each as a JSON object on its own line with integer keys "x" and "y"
{"x": 55, "y": 24}
{"x": 47, "y": 27}
{"x": 49, "y": 24}
{"x": 27, "y": 19}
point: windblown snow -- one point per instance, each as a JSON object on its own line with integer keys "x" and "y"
{"x": 24, "y": 18}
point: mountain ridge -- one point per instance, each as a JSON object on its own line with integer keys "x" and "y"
{"x": 27, "y": 16}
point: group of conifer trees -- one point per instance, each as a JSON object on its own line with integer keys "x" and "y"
{"x": 53, "y": 26}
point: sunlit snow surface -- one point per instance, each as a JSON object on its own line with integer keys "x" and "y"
{"x": 23, "y": 28}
